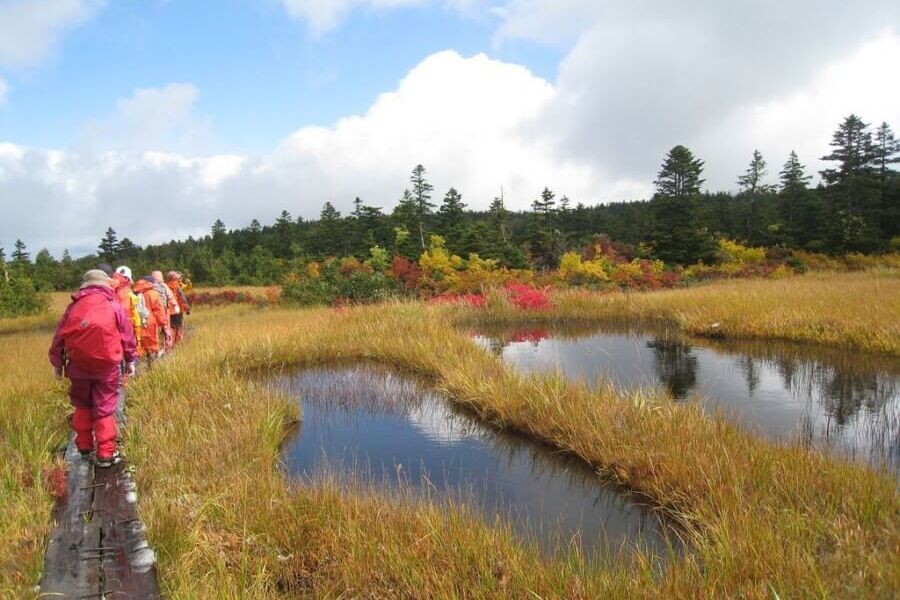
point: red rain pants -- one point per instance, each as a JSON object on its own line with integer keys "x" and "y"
{"x": 94, "y": 419}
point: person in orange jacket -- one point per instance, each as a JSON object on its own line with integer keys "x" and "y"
{"x": 120, "y": 281}
{"x": 180, "y": 306}
{"x": 156, "y": 320}
{"x": 168, "y": 301}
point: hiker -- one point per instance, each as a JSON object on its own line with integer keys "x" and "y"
{"x": 134, "y": 310}
{"x": 168, "y": 300}
{"x": 156, "y": 318}
{"x": 92, "y": 338}
{"x": 121, "y": 284}
{"x": 181, "y": 306}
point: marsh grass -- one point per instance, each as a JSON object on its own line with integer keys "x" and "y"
{"x": 855, "y": 310}
{"x": 759, "y": 517}
{"x": 762, "y": 520}
{"x": 32, "y": 426}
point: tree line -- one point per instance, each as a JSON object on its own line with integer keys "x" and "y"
{"x": 855, "y": 208}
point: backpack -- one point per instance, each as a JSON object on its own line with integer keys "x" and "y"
{"x": 91, "y": 335}
{"x": 161, "y": 289}
{"x": 142, "y": 309}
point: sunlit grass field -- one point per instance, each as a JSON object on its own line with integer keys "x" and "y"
{"x": 760, "y": 520}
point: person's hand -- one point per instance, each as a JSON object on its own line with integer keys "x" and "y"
{"x": 57, "y": 372}
{"x": 131, "y": 369}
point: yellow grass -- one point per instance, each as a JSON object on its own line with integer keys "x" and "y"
{"x": 857, "y": 310}
{"x": 763, "y": 520}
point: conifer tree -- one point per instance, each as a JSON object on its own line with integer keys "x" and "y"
{"x": 543, "y": 235}
{"x": 887, "y": 154}
{"x": 20, "y": 253}
{"x": 421, "y": 193}
{"x": 218, "y": 237}
{"x": 450, "y": 219}
{"x": 109, "y": 246}
{"x": 752, "y": 179}
{"x": 678, "y": 234}
{"x": 853, "y": 187}
{"x": 330, "y": 231}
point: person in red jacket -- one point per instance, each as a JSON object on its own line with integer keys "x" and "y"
{"x": 92, "y": 338}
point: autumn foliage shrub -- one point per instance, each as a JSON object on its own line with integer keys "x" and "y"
{"x": 526, "y": 297}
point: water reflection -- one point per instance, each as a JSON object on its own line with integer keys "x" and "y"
{"x": 846, "y": 400}
{"x": 390, "y": 429}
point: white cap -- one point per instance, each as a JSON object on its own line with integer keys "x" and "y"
{"x": 125, "y": 272}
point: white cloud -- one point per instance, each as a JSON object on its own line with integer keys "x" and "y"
{"x": 160, "y": 119}
{"x": 467, "y": 119}
{"x": 804, "y": 120}
{"x": 632, "y": 85}
{"x": 325, "y": 15}
{"x": 30, "y": 29}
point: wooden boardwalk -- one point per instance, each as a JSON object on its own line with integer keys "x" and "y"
{"x": 97, "y": 548}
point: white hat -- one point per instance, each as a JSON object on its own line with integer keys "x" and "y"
{"x": 125, "y": 272}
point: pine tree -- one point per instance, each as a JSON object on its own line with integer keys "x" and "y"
{"x": 752, "y": 186}
{"x": 109, "y": 246}
{"x": 498, "y": 217}
{"x": 853, "y": 187}
{"x": 330, "y": 231}
{"x": 543, "y": 235}
{"x": 796, "y": 207}
{"x": 752, "y": 180}
{"x": 284, "y": 229}
{"x": 218, "y": 237}
{"x": 887, "y": 153}
{"x": 421, "y": 193}
{"x": 679, "y": 176}
{"x": 20, "y": 254}
{"x": 678, "y": 235}
{"x": 450, "y": 219}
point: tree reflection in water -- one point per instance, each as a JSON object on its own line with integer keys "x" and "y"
{"x": 676, "y": 366}
{"x": 847, "y": 400}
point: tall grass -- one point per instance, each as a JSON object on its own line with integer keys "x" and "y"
{"x": 763, "y": 520}
{"x": 32, "y": 425}
{"x": 855, "y": 310}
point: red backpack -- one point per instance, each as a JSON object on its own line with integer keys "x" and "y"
{"x": 91, "y": 334}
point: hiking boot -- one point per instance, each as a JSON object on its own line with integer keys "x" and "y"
{"x": 85, "y": 454}
{"x": 104, "y": 462}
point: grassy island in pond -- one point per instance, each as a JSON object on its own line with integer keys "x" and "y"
{"x": 759, "y": 520}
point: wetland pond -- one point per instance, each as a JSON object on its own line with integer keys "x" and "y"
{"x": 837, "y": 400}
{"x": 393, "y": 431}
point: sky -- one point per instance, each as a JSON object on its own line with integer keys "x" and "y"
{"x": 158, "y": 117}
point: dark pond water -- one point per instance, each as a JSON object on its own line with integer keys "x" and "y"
{"x": 391, "y": 429}
{"x": 845, "y": 401}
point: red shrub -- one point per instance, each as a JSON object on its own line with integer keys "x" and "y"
{"x": 526, "y": 297}
{"x": 406, "y": 272}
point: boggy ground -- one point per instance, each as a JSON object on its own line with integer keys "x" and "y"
{"x": 762, "y": 520}
{"x": 854, "y": 310}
